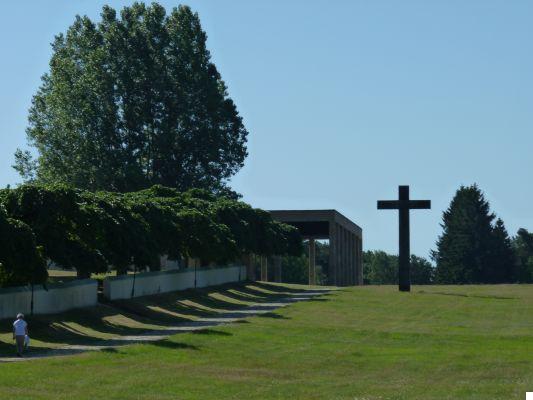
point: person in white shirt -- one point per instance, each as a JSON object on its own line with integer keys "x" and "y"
{"x": 20, "y": 331}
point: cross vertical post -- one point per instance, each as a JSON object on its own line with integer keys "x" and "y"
{"x": 404, "y": 276}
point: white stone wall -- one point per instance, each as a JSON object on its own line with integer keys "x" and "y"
{"x": 58, "y": 298}
{"x": 148, "y": 283}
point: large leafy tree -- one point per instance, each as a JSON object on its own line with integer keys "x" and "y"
{"x": 472, "y": 248}
{"x": 131, "y": 101}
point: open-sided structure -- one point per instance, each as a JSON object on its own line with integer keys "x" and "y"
{"x": 345, "y": 242}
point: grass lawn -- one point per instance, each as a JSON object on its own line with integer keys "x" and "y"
{"x": 438, "y": 342}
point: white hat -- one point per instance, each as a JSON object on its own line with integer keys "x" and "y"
{"x": 19, "y": 316}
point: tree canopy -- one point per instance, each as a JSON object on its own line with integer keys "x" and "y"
{"x": 131, "y": 101}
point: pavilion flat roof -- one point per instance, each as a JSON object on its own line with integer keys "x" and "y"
{"x": 310, "y": 216}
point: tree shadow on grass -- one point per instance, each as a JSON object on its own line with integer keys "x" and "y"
{"x": 79, "y": 326}
{"x": 169, "y": 344}
{"x": 137, "y": 316}
{"x": 260, "y": 295}
{"x": 277, "y": 288}
{"x": 211, "y": 332}
{"x": 111, "y": 350}
{"x": 317, "y": 299}
{"x": 272, "y": 315}
{"x": 241, "y": 296}
{"x": 38, "y": 352}
{"x": 478, "y": 296}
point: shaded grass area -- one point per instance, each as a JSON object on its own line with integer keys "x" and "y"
{"x": 438, "y": 342}
{"x": 136, "y": 316}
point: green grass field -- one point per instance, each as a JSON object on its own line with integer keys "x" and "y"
{"x": 438, "y": 342}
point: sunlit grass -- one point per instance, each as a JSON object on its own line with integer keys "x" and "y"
{"x": 438, "y": 342}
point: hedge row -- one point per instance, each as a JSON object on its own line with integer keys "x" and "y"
{"x": 92, "y": 232}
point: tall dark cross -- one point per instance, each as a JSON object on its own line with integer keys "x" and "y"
{"x": 403, "y": 204}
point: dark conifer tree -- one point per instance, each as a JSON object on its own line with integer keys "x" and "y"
{"x": 502, "y": 261}
{"x": 523, "y": 247}
{"x": 464, "y": 248}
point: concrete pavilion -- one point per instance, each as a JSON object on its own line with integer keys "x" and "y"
{"x": 345, "y": 242}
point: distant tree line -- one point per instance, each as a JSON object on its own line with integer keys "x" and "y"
{"x": 380, "y": 268}
{"x": 296, "y": 269}
{"x": 93, "y": 232}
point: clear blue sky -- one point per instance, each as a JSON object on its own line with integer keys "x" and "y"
{"x": 344, "y": 100}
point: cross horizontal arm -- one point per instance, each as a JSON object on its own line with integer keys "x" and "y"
{"x": 403, "y": 204}
{"x": 419, "y": 204}
{"x": 388, "y": 204}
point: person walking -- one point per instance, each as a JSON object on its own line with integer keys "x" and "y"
{"x": 20, "y": 331}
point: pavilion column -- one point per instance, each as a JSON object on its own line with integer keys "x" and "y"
{"x": 333, "y": 248}
{"x": 346, "y": 257}
{"x": 312, "y": 261}
{"x": 360, "y": 261}
{"x": 277, "y": 269}
{"x": 356, "y": 260}
{"x": 343, "y": 253}
{"x": 341, "y": 256}
{"x": 247, "y": 260}
{"x": 338, "y": 258}
{"x": 353, "y": 257}
{"x": 264, "y": 269}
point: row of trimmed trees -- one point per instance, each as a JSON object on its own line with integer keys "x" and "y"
{"x": 92, "y": 232}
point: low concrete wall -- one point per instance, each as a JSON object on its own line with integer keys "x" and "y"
{"x": 147, "y": 283}
{"x": 58, "y": 298}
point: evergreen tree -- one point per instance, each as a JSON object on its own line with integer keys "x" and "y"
{"x": 523, "y": 246}
{"x": 502, "y": 262}
{"x": 471, "y": 249}
{"x": 134, "y": 101}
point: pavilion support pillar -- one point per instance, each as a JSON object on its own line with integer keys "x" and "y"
{"x": 339, "y": 256}
{"x": 247, "y": 260}
{"x": 342, "y": 249}
{"x": 355, "y": 260}
{"x": 351, "y": 275}
{"x": 264, "y": 269}
{"x": 345, "y": 257}
{"x": 312, "y": 262}
{"x": 277, "y": 268}
{"x": 347, "y": 261}
{"x": 333, "y": 249}
{"x": 360, "y": 261}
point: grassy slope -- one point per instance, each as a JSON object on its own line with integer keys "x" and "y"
{"x": 444, "y": 342}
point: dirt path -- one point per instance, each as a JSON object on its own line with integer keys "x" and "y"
{"x": 160, "y": 334}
